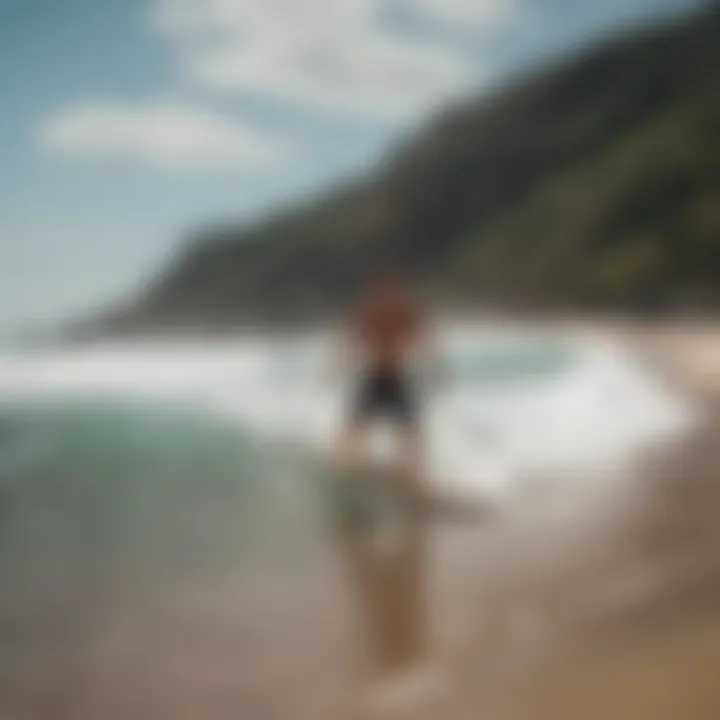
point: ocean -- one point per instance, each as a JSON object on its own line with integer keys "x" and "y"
{"x": 137, "y": 470}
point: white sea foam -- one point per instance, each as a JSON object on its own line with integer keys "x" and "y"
{"x": 515, "y": 404}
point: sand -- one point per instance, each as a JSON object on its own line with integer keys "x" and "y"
{"x": 632, "y": 625}
{"x": 603, "y": 609}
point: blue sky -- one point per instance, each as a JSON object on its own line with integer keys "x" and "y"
{"x": 125, "y": 124}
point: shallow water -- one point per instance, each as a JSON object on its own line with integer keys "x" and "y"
{"x": 114, "y": 458}
{"x": 147, "y": 503}
{"x": 509, "y": 404}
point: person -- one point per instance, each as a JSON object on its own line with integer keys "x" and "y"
{"x": 385, "y": 332}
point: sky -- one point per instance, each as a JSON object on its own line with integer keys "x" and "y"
{"x": 127, "y": 124}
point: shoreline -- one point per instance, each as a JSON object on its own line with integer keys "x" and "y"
{"x": 615, "y": 612}
{"x": 609, "y": 610}
{"x": 686, "y": 354}
{"x": 650, "y": 651}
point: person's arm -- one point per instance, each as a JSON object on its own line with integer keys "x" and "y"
{"x": 435, "y": 368}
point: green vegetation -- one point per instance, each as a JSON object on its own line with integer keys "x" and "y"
{"x": 638, "y": 226}
{"x": 592, "y": 184}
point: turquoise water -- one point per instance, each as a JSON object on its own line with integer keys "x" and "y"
{"x": 97, "y": 495}
{"x": 161, "y": 539}
{"x": 94, "y": 495}
{"x": 544, "y": 360}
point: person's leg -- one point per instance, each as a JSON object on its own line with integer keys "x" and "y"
{"x": 348, "y": 448}
{"x": 388, "y": 585}
{"x": 409, "y": 571}
{"x": 411, "y": 465}
{"x": 382, "y": 580}
{"x": 364, "y": 565}
{"x": 410, "y": 590}
{"x": 371, "y": 579}
{"x": 411, "y": 676}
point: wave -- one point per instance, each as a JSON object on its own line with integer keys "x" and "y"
{"x": 514, "y": 404}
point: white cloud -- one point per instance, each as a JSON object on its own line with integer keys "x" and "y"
{"x": 354, "y": 74}
{"x": 340, "y": 55}
{"x": 167, "y": 135}
{"x": 463, "y": 15}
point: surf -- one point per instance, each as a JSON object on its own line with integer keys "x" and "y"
{"x": 514, "y": 404}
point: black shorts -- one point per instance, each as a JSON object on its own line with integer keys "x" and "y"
{"x": 385, "y": 394}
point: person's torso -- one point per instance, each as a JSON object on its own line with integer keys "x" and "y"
{"x": 387, "y": 336}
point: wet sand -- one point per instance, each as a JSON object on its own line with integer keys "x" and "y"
{"x": 603, "y": 603}
{"x": 632, "y": 630}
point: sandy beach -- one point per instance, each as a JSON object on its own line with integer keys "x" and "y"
{"x": 608, "y": 608}
{"x": 628, "y": 626}
{"x": 632, "y": 630}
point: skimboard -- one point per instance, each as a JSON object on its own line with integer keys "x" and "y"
{"x": 370, "y": 493}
